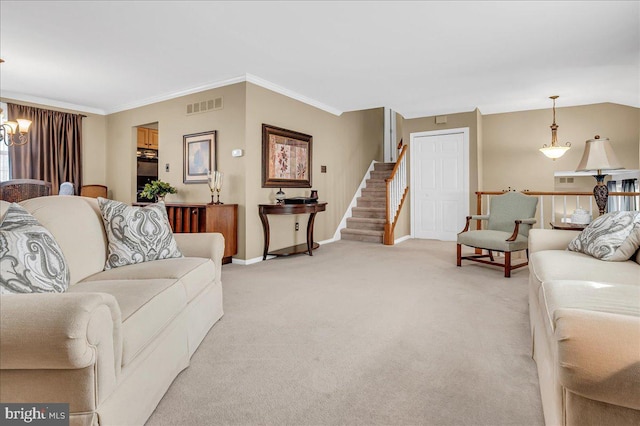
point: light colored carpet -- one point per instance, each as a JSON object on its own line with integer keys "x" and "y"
{"x": 363, "y": 334}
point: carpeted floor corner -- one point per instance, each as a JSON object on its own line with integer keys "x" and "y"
{"x": 363, "y": 334}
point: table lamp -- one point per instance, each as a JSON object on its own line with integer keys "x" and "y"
{"x": 598, "y": 155}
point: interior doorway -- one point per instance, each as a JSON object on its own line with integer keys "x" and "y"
{"x": 147, "y": 149}
{"x": 439, "y": 163}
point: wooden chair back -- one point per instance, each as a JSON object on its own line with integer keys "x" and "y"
{"x": 17, "y": 190}
{"x": 93, "y": 191}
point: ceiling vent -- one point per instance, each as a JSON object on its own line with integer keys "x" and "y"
{"x": 204, "y": 106}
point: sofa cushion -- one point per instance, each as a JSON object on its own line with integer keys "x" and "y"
{"x": 548, "y": 265}
{"x": 64, "y": 217}
{"x": 137, "y": 234}
{"x": 193, "y": 272}
{"x": 147, "y": 306}
{"x": 622, "y": 299}
{"x": 614, "y": 237}
{"x": 31, "y": 261}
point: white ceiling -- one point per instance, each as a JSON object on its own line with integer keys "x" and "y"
{"x": 418, "y": 58}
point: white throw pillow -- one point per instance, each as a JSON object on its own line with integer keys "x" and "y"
{"x": 613, "y": 237}
{"x": 137, "y": 234}
{"x": 31, "y": 261}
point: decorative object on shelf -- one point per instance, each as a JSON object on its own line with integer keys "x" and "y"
{"x": 157, "y": 190}
{"x": 214, "y": 180}
{"x": 280, "y": 196}
{"x": 554, "y": 150}
{"x": 580, "y": 216}
{"x": 314, "y": 194}
{"x": 598, "y": 155}
{"x": 14, "y": 133}
{"x": 286, "y": 158}
{"x": 199, "y": 156}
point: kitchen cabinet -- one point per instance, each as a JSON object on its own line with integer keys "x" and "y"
{"x": 147, "y": 138}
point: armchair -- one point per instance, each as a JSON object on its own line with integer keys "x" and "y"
{"x": 511, "y": 216}
{"x": 16, "y": 190}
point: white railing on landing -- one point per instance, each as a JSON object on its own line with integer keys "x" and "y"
{"x": 557, "y": 207}
{"x": 397, "y": 190}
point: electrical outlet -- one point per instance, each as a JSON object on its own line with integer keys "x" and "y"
{"x": 323, "y": 169}
{"x": 166, "y": 167}
{"x": 297, "y": 226}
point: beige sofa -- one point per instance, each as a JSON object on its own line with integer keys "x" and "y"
{"x": 113, "y": 343}
{"x": 585, "y": 325}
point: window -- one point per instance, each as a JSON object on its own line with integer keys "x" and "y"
{"x": 4, "y": 149}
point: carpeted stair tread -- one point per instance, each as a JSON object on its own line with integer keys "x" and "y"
{"x": 364, "y": 235}
{"x": 365, "y": 223}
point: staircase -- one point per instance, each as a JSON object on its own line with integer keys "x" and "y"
{"x": 368, "y": 217}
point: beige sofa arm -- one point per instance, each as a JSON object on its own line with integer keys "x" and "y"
{"x": 206, "y": 244}
{"x": 550, "y": 239}
{"x": 60, "y": 331}
{"x": 599, "y": 355}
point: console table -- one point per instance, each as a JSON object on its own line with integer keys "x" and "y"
{"x": 312, "y": 209}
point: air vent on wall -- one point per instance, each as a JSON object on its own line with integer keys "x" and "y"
{"x": 204, "y": 106}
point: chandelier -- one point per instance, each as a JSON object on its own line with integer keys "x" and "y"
{"x": 554, "y": 150}
{"x": 14, "y": 133}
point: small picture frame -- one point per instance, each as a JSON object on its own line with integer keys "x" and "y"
{"x": 199, "y": 156}
{"x": 286, "y": 158}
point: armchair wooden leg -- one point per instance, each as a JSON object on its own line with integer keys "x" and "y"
{"x": 459, "y": 255}
{"x": 507, "y": 264}
{"x": 527, "y": 255}
{"x": 491, "y": 256}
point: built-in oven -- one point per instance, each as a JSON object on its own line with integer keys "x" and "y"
{"x": 147, "y": 171}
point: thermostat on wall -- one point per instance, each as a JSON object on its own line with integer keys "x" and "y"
{"x": 237, "y": 153}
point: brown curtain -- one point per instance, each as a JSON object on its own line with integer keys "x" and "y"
{"x": 53, "y": 153}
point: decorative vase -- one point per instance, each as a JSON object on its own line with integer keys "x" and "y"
{"x": 160, "y": 198}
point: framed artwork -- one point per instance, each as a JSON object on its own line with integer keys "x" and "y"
{"x": 286, "y": 158}
{"x": 199, "y": 156}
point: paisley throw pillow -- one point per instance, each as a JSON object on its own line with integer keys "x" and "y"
{"x": 137, "y": 234}
{"x": 31, "y": 261}
{"x": 614, "y": 237}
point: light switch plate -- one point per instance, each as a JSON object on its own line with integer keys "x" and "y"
{"x": 166, "y": 167}
{"x": 237, "y": 153}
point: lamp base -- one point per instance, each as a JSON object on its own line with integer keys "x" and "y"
{"x": 601, "y": 194}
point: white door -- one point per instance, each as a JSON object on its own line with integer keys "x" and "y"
{"x": 439, "y": 183}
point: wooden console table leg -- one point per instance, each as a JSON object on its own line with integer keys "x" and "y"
{"x": 265, "y": 228}
{"x": 312, "y": 218}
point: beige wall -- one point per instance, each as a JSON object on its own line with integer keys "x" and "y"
{"x": 511, "y": 142}
{"x": 94, "y": 138}
{"x": 346, "y": 145}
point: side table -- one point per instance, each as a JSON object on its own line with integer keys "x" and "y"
{"x": 312, "y": 209}
{"x": 568, "y": 226}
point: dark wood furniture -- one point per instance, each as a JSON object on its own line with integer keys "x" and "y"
{"x": 222, "y": 218}
{"x": 17, "y": 190}
{"x": 312, "y": 209}
{"x": 568, "y": 226}
{"x": 93, "y": 191}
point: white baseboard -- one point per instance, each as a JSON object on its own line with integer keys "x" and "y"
{"x": 402, "y": 239}
{"x": 259, "y": 259}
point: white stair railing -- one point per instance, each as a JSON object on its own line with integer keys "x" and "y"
{"x": 397, "y": 190}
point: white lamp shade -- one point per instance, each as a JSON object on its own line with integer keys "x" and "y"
{"x": 598, "y": 155}
{"x": 23, "y": 125}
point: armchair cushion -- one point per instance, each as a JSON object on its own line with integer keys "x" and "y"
{"x": 511, "y": 206}
{"x": 493, "y": 240}
{"x": 31, "y": 261}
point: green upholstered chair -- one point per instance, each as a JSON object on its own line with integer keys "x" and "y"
{"x": 507, "y": 230}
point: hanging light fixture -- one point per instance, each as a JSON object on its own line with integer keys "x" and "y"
{"x": 554, "y": 150}
{"x": 14, "y": 133}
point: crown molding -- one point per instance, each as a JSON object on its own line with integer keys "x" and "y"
{"x": 291, "y": 94}
{"x": 173, "y": 95}
{"x": 50, "y": 102}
